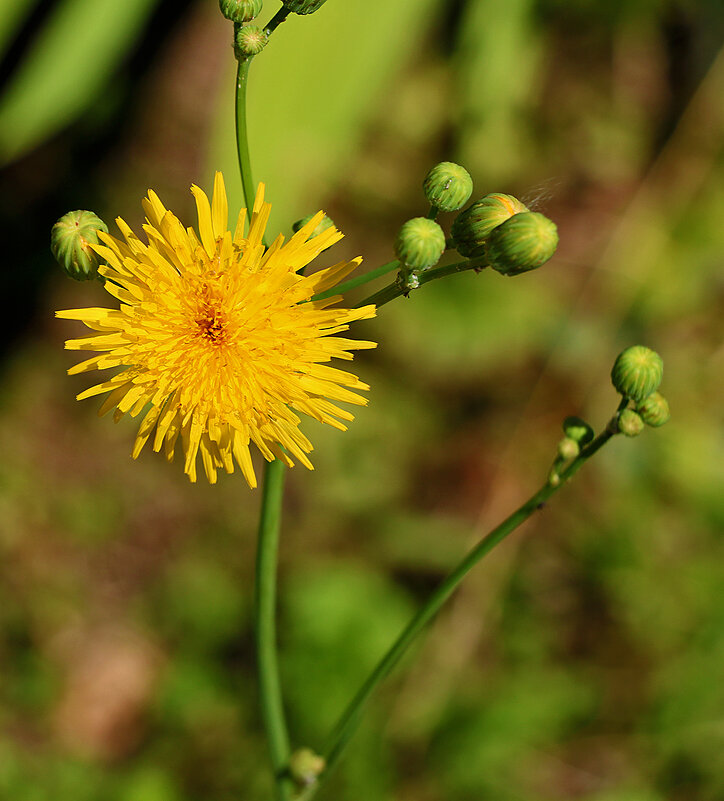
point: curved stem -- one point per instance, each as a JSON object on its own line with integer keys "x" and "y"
{"x": 358, "y": 280}
{"x": 349, "y": 720}
{"x": 398, "y": 288}
{"x": 277, "y": 20}
{"x": 242, "y": 136}
{"x": 270, "y": 695}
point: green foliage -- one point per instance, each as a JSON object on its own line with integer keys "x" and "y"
{"x": 329, "y": 613}
{"x": 11, "y": 18}
{"x": 71, "y": 61}
{"x": 492, "y": 747}
{"x": 498, "y": 56}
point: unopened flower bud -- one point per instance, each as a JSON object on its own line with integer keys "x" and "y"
{"x": 637, "y": 372}
{"x": 323, "y": 226}
{"x": 568, "y": 448}
{"x": 303, "y": 6}
{"x": 305, "y": 766}
{"x": 448, "y": 186}
{"x": 654, "y": 410}
{"x": 630, "y": 423}
{"x": 473, "y": 226}
{"x": 578, "y": 430}
{"x": 420, "y": 243}
{"x": 70, "y": 241}
{"x": 524, "y": 242}
{"x": 249, "y": 40}
{"x": 241, "y": 11}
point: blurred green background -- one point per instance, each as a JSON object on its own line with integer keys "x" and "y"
{"x": 582, "y": 660}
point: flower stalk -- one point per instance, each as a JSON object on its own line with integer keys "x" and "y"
{"x": 348, "y": 722}
{"x": 270, "y": 694}
{"x": 242, "y": 135}
{"x": 398, "y": 288}
{"x": 359, "y": 280}
{"x": 277, "y": 20}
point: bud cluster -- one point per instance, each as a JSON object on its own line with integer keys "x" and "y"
{"x": 497, "y": 231}
{"x": 636, "y": 375}
{"x": 577, "y": 435}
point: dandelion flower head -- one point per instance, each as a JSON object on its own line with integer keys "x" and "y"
{"x": 218, "y": 338}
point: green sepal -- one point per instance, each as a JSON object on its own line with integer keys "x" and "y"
{"x": 637, "y": 372}
{"x": 448, "y": 186}
{"x": 568, "y": 449}
{"x": 654, "y": 410}
{"x": 578, "y": 430}
{"x": 70, "y": 242}
{"x": 420, "y": 243}
{"x": 524, "y": 242}
{"x": 472, "y": 227}
{"x": 630, "y": 423}
{"x": 249, "y": 40}
{"x": 241, "y": 11}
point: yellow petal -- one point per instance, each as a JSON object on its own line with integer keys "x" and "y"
{"x": 219, "y": 207}
{"x": 206, "y": 229}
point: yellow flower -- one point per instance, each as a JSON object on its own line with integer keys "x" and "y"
{"x": 219, "y": 339}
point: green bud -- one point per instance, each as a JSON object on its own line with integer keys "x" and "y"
{"x": 637, "y": 372}
{"x": 306, "y": 766}
{"x": 420, "y": 243}
{"x": 241, "y": 11}
{"x": 524, "y": 242}
{"x": 70, "y": 241}
{"x": 249, "y": 40}
{"x": 568, "y": 448}
{"x": 654, "y": 410}
{"x": 473, "y": 226}
{"x": 578, "y": 430}
{"x": 303, "y": 6}
{"x": 326, "y": 223}
{"x": 448, "y": 186}
{"x": 630, "y": 423}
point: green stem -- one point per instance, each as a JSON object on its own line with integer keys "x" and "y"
{"x": 270, "y": 695}
{"x": 242, "y": 136}
{"x": 432, "y": 214}
{"x": 350, "y": 718}
{"x": 397, "y": 288}
{"x": 277, "y": 20}
{"x": 358, "y": 280}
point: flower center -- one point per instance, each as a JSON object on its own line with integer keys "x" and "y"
{"x": 211, "y": 323}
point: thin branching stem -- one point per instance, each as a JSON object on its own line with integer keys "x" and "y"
{"x": 350, "y": 718}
